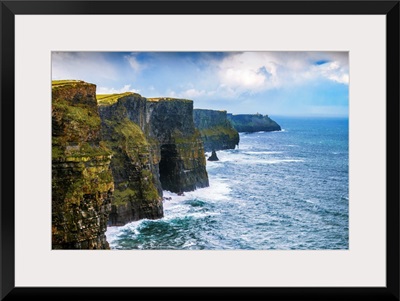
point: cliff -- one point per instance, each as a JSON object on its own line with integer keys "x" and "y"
{"x": 216, "y": 130}
{"x": 137, "y": 189}
{"x": 82, "y": 183}
{"x": 183, "y": 163}
{"x": 112, "y": 156}
{"x": 156, "y": 147}
{"x": 253, "y": 123}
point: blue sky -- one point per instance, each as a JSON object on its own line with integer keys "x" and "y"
{"x": 273, "y": 83}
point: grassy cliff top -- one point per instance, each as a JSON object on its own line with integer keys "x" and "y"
{"x": 157, "y": 99}
{"x": 109, "y": 99}
{"x": 208, "y": 110}
{"x": 65, "y": 82}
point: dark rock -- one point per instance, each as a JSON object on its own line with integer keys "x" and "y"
{"x": 112, "y": 168}
{"x": 182, "y": 166}
{"x": 216, "y": 130}
{"x": 156, "y": 148}
{"x": 138, "y": 192}
{"x": 213, "y": 156}
{"x": 253, "y": 123}
{"x": 82, "y": 183}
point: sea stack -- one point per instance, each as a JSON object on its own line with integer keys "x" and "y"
{"x": 213, "y": 156}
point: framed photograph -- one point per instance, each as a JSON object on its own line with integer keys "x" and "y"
{"x": 200, "y": 149}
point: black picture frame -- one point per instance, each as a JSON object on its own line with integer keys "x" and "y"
{"x": 11, "y": 8}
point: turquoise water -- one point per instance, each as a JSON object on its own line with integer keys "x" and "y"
{"x": 279, "y": 190}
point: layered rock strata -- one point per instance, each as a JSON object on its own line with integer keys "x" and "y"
{"x": 156, "y": 147}
{"x": 216, "y": 130}
{"x": 253, "y": 123}
{"x": 112, "y": 157}
{"x": 82, "y": 183}
{"x": 136, "y": 182}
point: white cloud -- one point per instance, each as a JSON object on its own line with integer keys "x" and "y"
{"x": 106, "y": 90}
{"x": 82, "y": 66}
{"x": 192, "y": 93}
{"x": 244, "y": 71}
{"x": 241, "y": 77}
{"x": 133, "y": 62}
{"x": 259, "y": 71}
{"x": 334, "y": 71}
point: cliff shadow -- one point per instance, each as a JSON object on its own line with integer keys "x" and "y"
{"x": 169, "y": 167}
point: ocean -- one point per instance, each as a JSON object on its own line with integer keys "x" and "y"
{"x": 286, "y": 190}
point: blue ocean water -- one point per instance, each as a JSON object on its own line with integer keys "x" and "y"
{"x": 286, "y": 190}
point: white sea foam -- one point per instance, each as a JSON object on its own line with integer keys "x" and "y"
{"x": 311, "y": 201}
{"x": 112, "y": 235}
{"x": 229, "y": 157}
{"x": 116, "y": 231}
{"x": 262, "y": 153}
{"x": 251, "y": 206}
{"x": 218, "y": 190}
{"x": 284, "y": 160}
{"x": 176, "y": 206}
{"x": 250, "y": 158}
{"x": 188, "y": 244}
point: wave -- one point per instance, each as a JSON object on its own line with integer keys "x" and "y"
{"x": 218, "y": 190}
{"x": 262, "y": 152}
{"x": 271, "y": 161}
{"x": 249, "y": 157}
{"x": 115, "y": 233}
{"x": 246, "y": 160}
{"x": 255, "y": 207}
{"x": 311, "y": 201}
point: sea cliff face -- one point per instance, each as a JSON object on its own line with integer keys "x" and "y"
{"x": 216, "y": 130}
{"x": 156, "y": 148}
{"x": 112, "y": 157}
{"x": 253, "y": 123}
{"x": 82, "y": 183}
{"x": 183, "y": 165}
{"x": 137, "y": 193}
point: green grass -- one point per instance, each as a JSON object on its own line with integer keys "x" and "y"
{"x": 56, "y": 83}
{"x": 218, "y": 131}
{"x": 79, "y": 113}
{"x": 127, "y": 132}
{"x": 57, "y": 152}
{"x": 109, "y": 99}
{"x": 83, "y": 150}
{"x": 157, "y": 99}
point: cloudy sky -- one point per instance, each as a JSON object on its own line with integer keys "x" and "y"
{"x": 273, "y": 83}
